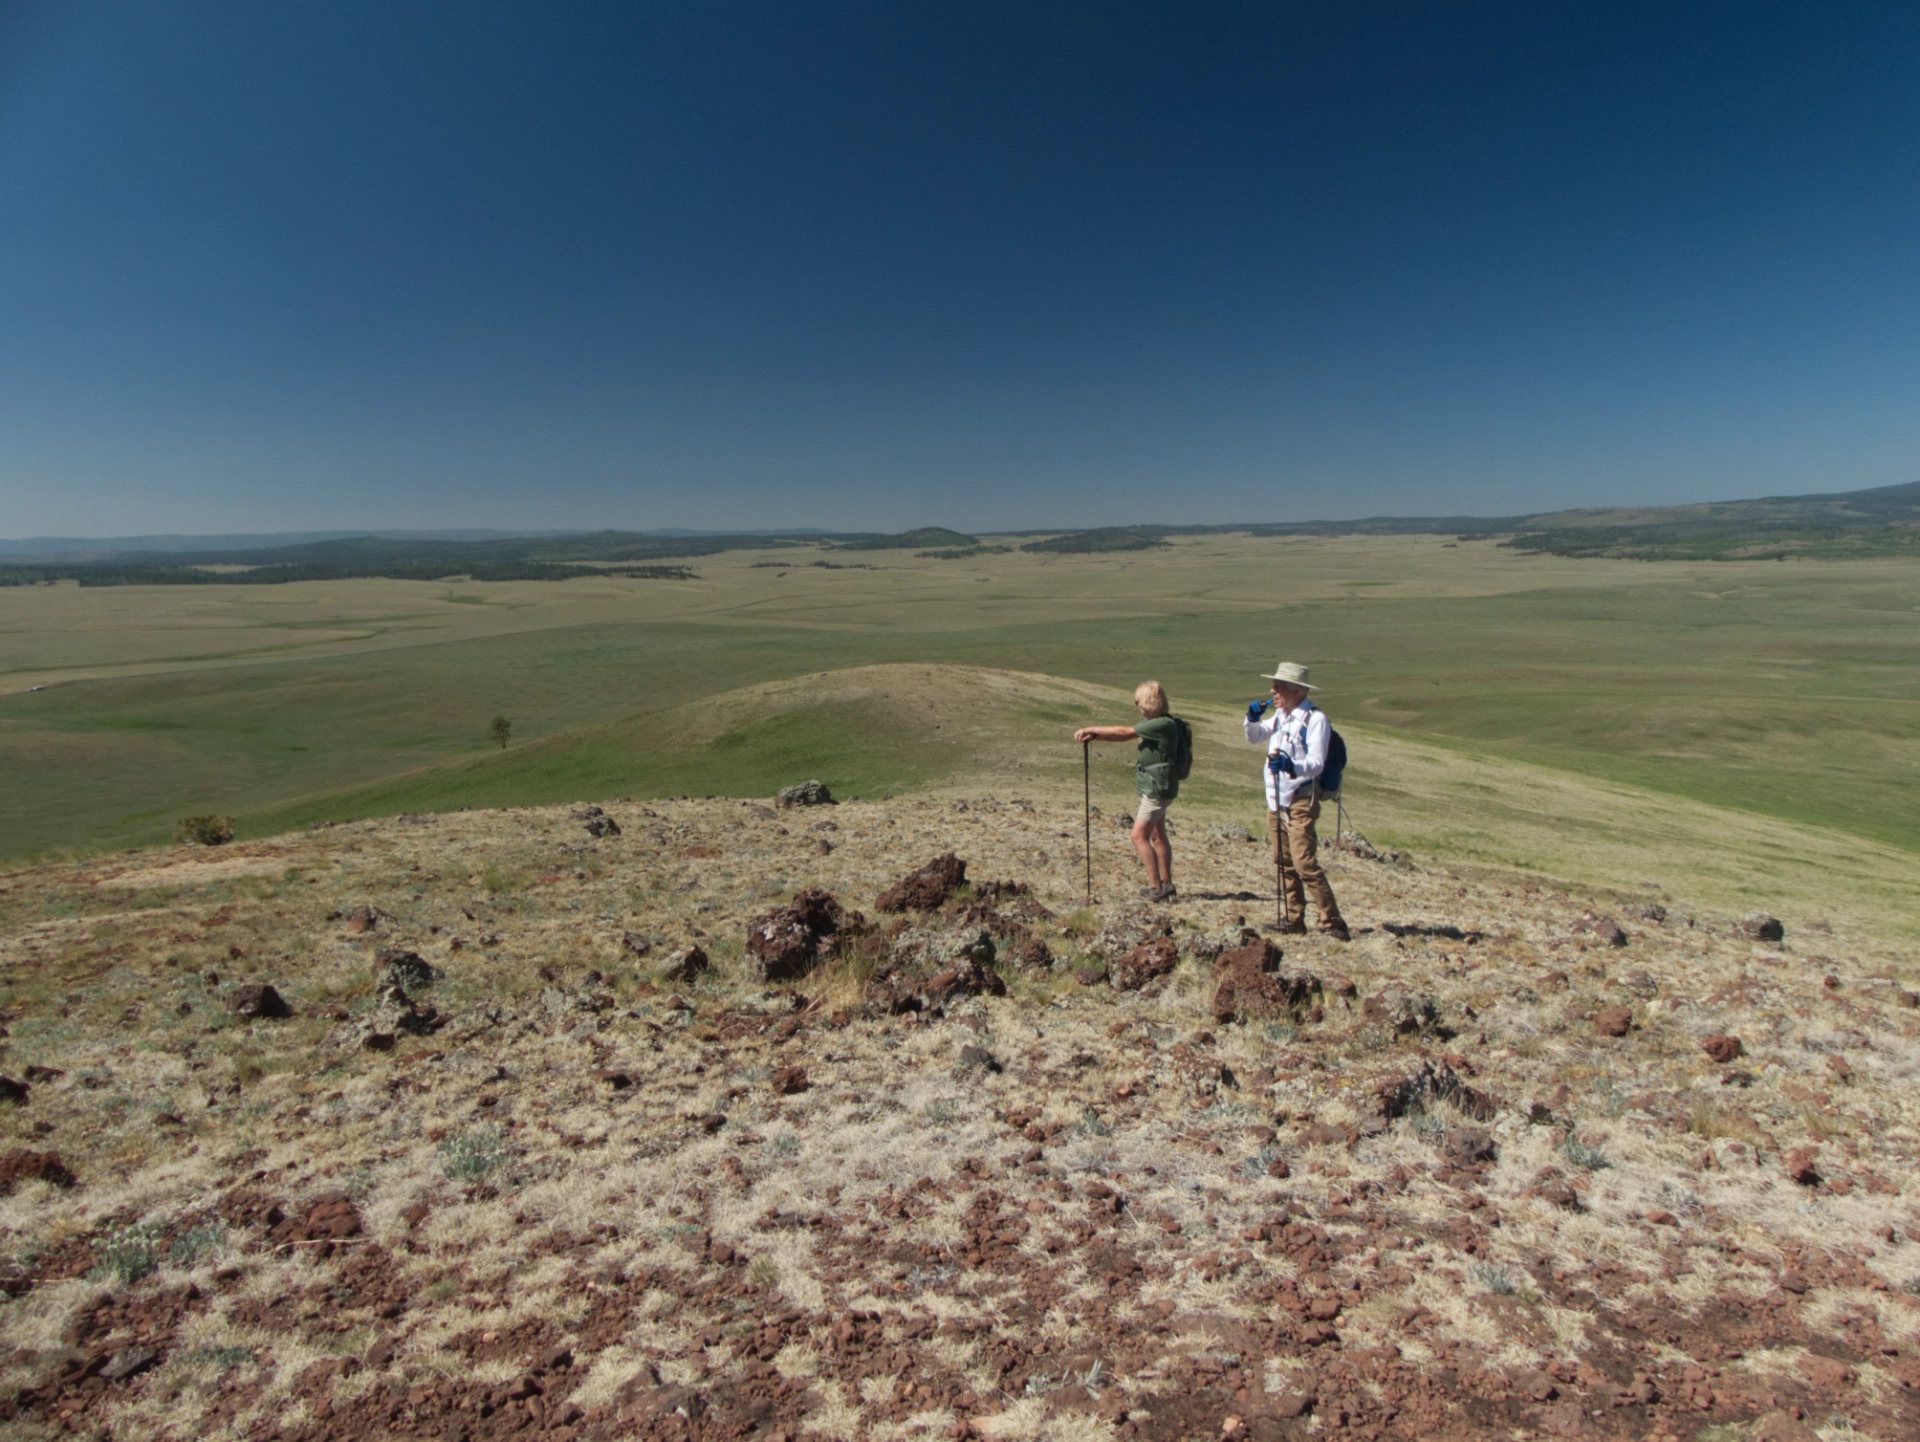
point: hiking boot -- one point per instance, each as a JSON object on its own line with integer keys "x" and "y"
{"x": 1292, "y": 926}
{"x": 1337, "y": 930}
{"x": 1165, "y": 892}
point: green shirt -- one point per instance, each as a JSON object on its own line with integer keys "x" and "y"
{"x": 1153, "y": 773}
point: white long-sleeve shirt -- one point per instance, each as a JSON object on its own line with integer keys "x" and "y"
{"x": 1302, "y": 735}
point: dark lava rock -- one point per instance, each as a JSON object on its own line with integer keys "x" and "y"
{"x": 1248, "y": 986}
{"x": 807, "y": 793}
{"x": 21, "y": 1165}
{"x": 792, "y": 940}
{"x": 1405, "y": 1012}
{"x": 129, "y": 1362}
{"x": 926, "y": 888}
{"x": 602, "y": 825}
{"x": 977, "y": 1058}
{"x": 1800, "y": 1167}
{"x": 1032, "y": 952}
{"x": 1613, "y": 1021}
{"x": 1603, "y": 929}
{"x": 1761, "y": 927}
{"x": 686, "y": 964}
{"x": 1468, "y": 1148}
{"x": 1721, "y": 1049}
{"x": 1434, "y": 1083}
{"x": 395, "y": 966}
{"x": 788, "y": 1081}
{"x": 258, "y": 1000}
{"x": 13, "y": 1091}
{"x": 1154, "y": 957}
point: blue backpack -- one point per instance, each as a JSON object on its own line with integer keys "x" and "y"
{"x": 1336, "y": 762}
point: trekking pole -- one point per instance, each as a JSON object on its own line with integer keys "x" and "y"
{"x": 1086, "y": 811}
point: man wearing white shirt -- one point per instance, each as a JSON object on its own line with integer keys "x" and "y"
{"x": 1296, "y": 737}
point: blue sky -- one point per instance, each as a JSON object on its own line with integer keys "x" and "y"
{"x": 275, "y": 266}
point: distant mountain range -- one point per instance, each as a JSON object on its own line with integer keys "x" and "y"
{"x": 1884, "y": 521}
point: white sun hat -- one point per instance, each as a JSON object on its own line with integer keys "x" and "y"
{"x": 1292, "y": 673}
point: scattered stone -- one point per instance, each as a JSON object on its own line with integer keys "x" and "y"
{"x": 977, "y": 1058}
{"x": 1551, "y": 1186}
{"x": 1652, "y": 911}
{"x": 38, "y": 1073}
{"x": 1908, "y": 999}
{"x": 21, "y": 1165}
{"x": 807, "y": 793}
{"x": 788, "y": 1081}
{"x": 257, "y": 1000}
{"x": 792, "y": 940}
{"x": 602, "y": 826}
{"x": 362, "y": 919}
{"x": 1434, "y": 1084}
{"x": 1721, "y": 1049}
{"x": 634, "y": 944}
{"x": 1468, "y": 1148}
{"x": 1032, "y": 952}
{"x": 1247, "y": 986}
{"x": 1800, "y": 1167}
{"x": 1781, "y": 1427}
{"x": 926, "y": 888}
{"x": 1149, "y": 960}
{"x": 617, "y": 1080}
{"x": 1402, "y": 1012}
{"x": 13, "y": 1091}
{"x": 686, "y": 964}
{"x": 1613, "y": 1020}
{"x": 397, "y": 967}
{"x": 1761, "y": 927}
{"x": 1794, "y": 1282}
{"x": 1841, "y": 1068}
{"x": 129, "y": 1362}
{"x": 1641, "y": 984}
{"x": 1603, "y": 929}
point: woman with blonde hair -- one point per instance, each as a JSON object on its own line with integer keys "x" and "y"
{"x": 1166, "y": 749}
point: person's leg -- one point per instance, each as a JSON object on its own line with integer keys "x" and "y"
{"x": 1162, "y": 849}
{"x": 1149, "y": 819}
{"x": 1293, "y": 905}
{"x": 1303, "y": 846}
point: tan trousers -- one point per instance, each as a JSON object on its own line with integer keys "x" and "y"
{"x": 1294, "y": 852}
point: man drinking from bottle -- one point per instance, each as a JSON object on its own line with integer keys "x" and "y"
{"x": 1296, "y": 737}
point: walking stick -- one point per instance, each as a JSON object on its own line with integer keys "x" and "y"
{"x": 1086, "y": 810}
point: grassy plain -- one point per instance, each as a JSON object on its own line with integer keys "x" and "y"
{"x": 1773, "y": 702}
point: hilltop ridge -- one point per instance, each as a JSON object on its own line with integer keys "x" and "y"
{"x": 517, "y": 1164}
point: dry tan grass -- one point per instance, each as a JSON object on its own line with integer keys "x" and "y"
{"x": 885, "y": 1109}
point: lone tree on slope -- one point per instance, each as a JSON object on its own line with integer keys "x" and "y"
{"x": 500, "y": 731}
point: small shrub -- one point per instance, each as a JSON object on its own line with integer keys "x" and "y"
{"x": 220, "y": 1356}
{"x": 942, "y": 1112}
{"x": 1256, "y": 1165}
{"x": 784, "y": 1146}
{"x": 471, "y": 1155}
{"x": 762, "y": 1272}
{"x": 1281, "y": 1031}
{"x": 1680, "y": 1201}
{"x": 194, "y": 1243}
{"x": 1495, "y": 1280}
{"x": 1090, "y": 1125}
{"x": 204, "y": 830}
{"x": 1586, "y": 1158}
{"x": 129, "y": 1253}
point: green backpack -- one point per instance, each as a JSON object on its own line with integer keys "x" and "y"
{"x": 1182, "y": 750}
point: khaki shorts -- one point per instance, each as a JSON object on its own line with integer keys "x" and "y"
{"x": 1151, "y": 810}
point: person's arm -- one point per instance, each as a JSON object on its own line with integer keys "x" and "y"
{"x": 1261, "y": 731}
{"x": 1105, "y": 733}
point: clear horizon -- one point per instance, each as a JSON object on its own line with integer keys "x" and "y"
{"x": 1007, "y": 267}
